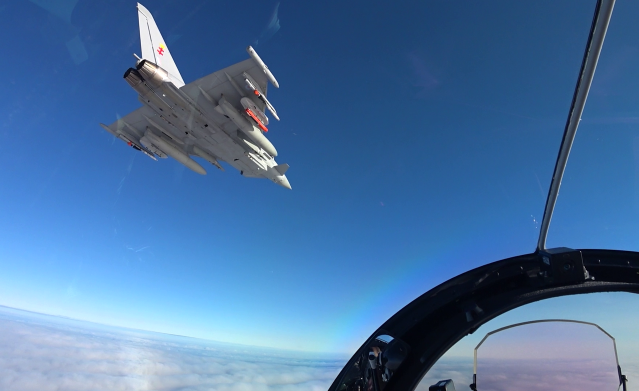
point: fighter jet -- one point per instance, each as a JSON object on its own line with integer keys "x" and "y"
{"x": 220, "y": 117}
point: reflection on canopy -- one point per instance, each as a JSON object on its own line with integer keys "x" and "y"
{"x": 560, "y": 354}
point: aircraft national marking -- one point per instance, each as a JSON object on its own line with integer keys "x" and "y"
{"x": 219, "y": 117}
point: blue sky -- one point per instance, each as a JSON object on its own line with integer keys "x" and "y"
{"x": 421, "y": 138}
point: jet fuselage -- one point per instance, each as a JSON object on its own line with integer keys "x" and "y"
{"x": 219, "y": 117}
{"x": 200, "y": 129}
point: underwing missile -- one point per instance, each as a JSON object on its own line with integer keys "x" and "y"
{"x": 128, "y": 140}
{"x": 168, "y": 148}
{"x": 206, "y": 156}
{"x": 246, "y": 127}
{"x": 255, "y": 113}
{"x": 261, "y": 64}
{"x": 253, "y": 86}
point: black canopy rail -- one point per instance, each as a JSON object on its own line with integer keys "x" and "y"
{"x": 598, "y": 29}
{"x": 438, "y": 319}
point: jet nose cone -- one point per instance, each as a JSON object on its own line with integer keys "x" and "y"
{"x": 282, "y": 181}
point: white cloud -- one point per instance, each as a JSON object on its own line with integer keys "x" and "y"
{"x": 460, "y": 370}
{"x": 42, "y": 353}
{"x": 528, "y": 375}
{"x": 545, "y": 374}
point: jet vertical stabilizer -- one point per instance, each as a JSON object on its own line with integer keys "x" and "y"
{"x": 153, "y": 47}
{"x": 219, "y": 117}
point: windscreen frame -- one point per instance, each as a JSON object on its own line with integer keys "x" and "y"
{"x": 441, "y": 317}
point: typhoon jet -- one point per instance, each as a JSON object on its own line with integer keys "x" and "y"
{"x": 219, "y": 117}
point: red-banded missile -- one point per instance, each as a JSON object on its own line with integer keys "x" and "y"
{"x": 257, "y": 114}
{"x": 257, "y": 120}
{"x": 247, "y": 128}
{"x": 151, "y": 147}
{"x": 168, "y": 148}
{"x": 252, "y": 86}
{"x": 261, "y": 64}
{"x": 128, "y": 140}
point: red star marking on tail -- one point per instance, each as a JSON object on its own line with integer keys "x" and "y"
{"x": 161, "y": 51}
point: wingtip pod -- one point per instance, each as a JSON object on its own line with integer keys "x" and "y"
{"x": 261, "y": 63}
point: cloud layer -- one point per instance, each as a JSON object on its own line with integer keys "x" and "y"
{"x": 561, "y": 375}
{"x": 528, "y": 375}
{"x": 45, "y": 355}
{"x": 458, "y": 369}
